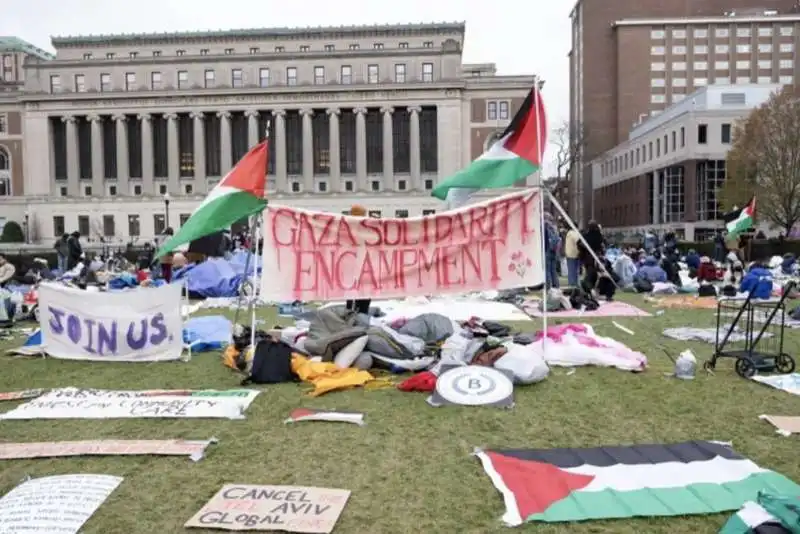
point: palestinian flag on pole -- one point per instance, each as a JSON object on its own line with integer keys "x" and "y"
{"x": 696, "y": 477}
{"x": 516, "y": 155}
{"x": 741, "y": 220}
{"x": 240, "y": 194}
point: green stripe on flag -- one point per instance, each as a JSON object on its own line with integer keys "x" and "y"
{"x": 487, "y": 173}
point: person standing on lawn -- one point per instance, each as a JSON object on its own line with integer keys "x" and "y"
{"x": 572, "y": 254}
{"x": 358, "y": 305}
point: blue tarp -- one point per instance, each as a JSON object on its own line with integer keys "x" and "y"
{"x": 239, "y": 259}
{"x": 214, "y": 277}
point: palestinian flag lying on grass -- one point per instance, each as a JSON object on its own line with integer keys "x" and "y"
{"x": 741, "y": 220}
{"x": 771, "y": 514}
{"x": 695, "y": 477}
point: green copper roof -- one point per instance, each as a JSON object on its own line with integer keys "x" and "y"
{"x": 256, "y": 33}
{"x": 15, "y": 44}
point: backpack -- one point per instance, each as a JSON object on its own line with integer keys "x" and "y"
{"x": 271, "y": 364}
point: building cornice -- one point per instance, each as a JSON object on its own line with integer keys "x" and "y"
{"x": 420, "y": 52}
{"x": 744, "y": 19}
{"x": 269, "y": 34}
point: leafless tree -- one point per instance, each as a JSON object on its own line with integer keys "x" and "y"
{"x": 569, "y": 144}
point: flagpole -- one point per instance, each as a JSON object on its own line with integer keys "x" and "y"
{"x": 542, "y": 234}
{"x": 255, "y": 237}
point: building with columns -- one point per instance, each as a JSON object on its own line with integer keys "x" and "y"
{"x": 123, "y": 135}
{"x": 667, "y": 175}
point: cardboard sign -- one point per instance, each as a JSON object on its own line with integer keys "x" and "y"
{"x": 287, "y": 508}
{"x": 52, "y": 449}
{"x": 74, "y": 403}
{"x": 54, "y": 505}
{"x": 140, "y": 325}
{"x": 323, "y": 256}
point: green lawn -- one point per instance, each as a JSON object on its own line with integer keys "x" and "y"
{"x": 409, "y": 469}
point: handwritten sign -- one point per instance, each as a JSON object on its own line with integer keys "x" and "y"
{"x": 143, "y": 324}
{"x": 74, "y": 403}
{"x": 324, "y": 256}
{"x": 53, "y": 449}
{"x": 287, "y": 508}
{"x": 54, "y": 505}
{"x": 18, "y": 395}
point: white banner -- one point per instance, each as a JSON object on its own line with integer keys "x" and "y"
{"x": 140, "y": 325}
{"x": 74, "y": 403}
{"x": 54, "y": 505}
{"x": 312, "y": 256}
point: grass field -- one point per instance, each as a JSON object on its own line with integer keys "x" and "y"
{"x": 409, "y": 468}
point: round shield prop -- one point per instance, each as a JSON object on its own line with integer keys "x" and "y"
{"x": 474, "y": 386}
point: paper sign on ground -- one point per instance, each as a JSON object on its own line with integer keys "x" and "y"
{"x": 323, "y": 256}
{"x": 786, "y": 425}
{"x": 18, "y": 395}
{"x": 165, "y": 447}
{"x": 287, "y": 508}
{"x": 74, "y": 403}
{"x": 304, "y": 414}
{"x": 139, "y": 325}
{"x": 54, "y": 505}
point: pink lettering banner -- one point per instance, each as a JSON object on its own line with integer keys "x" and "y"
{"x": 313, "y": 256}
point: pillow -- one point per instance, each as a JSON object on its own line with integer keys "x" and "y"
{"x": 347, "y": 355}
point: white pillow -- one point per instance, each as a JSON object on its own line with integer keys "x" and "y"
{"x": 345, "y": 357}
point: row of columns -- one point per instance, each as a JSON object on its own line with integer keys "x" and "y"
{"x": 226, "y": 163}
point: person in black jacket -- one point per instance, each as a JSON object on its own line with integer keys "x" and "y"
{"x": 75, "y": 250}
{"x": 359, "y": 305}
{"x": 593, "y": 237}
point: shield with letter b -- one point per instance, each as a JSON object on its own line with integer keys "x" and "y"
{"x": 473, "y": 385}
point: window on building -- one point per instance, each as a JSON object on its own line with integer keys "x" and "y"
{"x": 354, "y": 46}
{"x": 742, "y": 32}
{"x": 657, "y": 34}
{"x": 112, "y": 190}
{"x": 319, "y": 75}
{"x": 402, "y": 186}
{"x": 401, "y": 214}
{"x": 743, "y": 65}
{"x": 678, "y": 82}
{"x": 657, "y": 50}
{"x": 109, "y": 226}
{"x": 658, "y": 147}
{"x": 674, "y": 141}
{"x": 204, "y": 51}
{"x": 402, "y": 45}
{"x": 765, "y": 32}
{"x": 55, "y": 83}
{"x": 188, "y": 189}
{"x": 322, "y": 186}
{"x": 373, "y": 74}
{"x": 721, "y": 65}
{"x": 210, "y": 79}
{"x": 657, "y": 82}
{"x": 59, "y": 226}
{"x": 80, "y": 83}
{"x": 679, "y": 50}
{"x": 503, "y": 110}
{"x": 263, "y": 77}
{"x": 658, "y": 66}
{"x": 722, "y": 32}
{"x": 159, "y": 223}
{"x": 291, "y": 75}
{"x": 726, "y": 134}
{"x": 427, "y": 44}
{"x": 110, "y": 55}
{"x": 377, "y": 46}
{"x": 254, "y": 50}
{"x": 765, "y": 48}
{"x": 237, "y": 79}
{"x": 130, "y": 81}
{"x": 133, "y": 55}
{"x": 700, "y": 49}
{"x": 786, "y": 64}
{"x": 330, "y": 48}
{"x": 83, "y": 225}
{"x": 400, "y": 73}
{"x": 721, "y": 49}
{"x": 700, "y": 82}
{"x": 683, "y": 137}
{"x": 786, "y": 80}
{"x": 87, "y": 56}
{"x": 700, "y": 33}
{"x": 346, "y": 75}
{"x": 155, "y": 81}
{"x": 156, "y": 53}
{"x": 183, "y": 218}
{"x": 491, "y": 108}
{"x": 162, "y": 189}
{"x": 743, "y": 49}
{"x": 180, "y": 52}
{"x": 700, "y": 65}
{"x": 280, "y": 49}
{"x": 3, "y": 129}
{"x": 295, "y": 187}
{"x": 787, "y": 48}
{"x": 137, "y": 190}
{"x": 702, "y": 134}
{"x": 183, "y": 79}
{"x": 427, "y": 72}
{"x": 428, "y": 212}
{"x": 679, "y": 66}
{"x": 134, "y": 228}
{"x": 679, "y": 34}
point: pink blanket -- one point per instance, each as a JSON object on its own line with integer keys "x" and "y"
{"x": 606, "y": 309}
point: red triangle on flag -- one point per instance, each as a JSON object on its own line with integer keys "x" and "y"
{"x": 535, "y": 485}
{"x": 527, "y": 133}
{"x": 250, "y": 174}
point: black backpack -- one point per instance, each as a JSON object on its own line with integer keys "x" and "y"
{"x": 272, "y": 363}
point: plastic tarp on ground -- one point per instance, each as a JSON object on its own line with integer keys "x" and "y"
{"x": 240, "y": 263}
{"x": 215, "y": 277}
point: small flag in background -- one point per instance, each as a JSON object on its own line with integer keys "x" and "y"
{"x": 304, "y": 414}
{"x": 741, "y": 220}
{"x": 516, "y": 155}
{"x": 240, "y": 194}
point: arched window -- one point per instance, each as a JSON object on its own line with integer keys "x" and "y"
{"x": 5, "y": 173}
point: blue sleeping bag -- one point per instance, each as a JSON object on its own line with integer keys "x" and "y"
{"x": 759, "y": 281}
{"x": 213, "y": 278}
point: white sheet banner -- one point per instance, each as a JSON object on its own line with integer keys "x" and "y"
{"x": 75, "y": 403}
{"x": 312, "y": 256}
{"x": 54, "y": 505}
{"x": 140, "y": 325}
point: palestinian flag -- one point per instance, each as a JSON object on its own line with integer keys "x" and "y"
{"x": 741, "y": 220}
{"x": 516, "y": 155}
{"x": 770, "y": 514}
{"x": 240, "y": 194}
{"x": 304, "y": 414}
{"x": 695, "y": 477}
